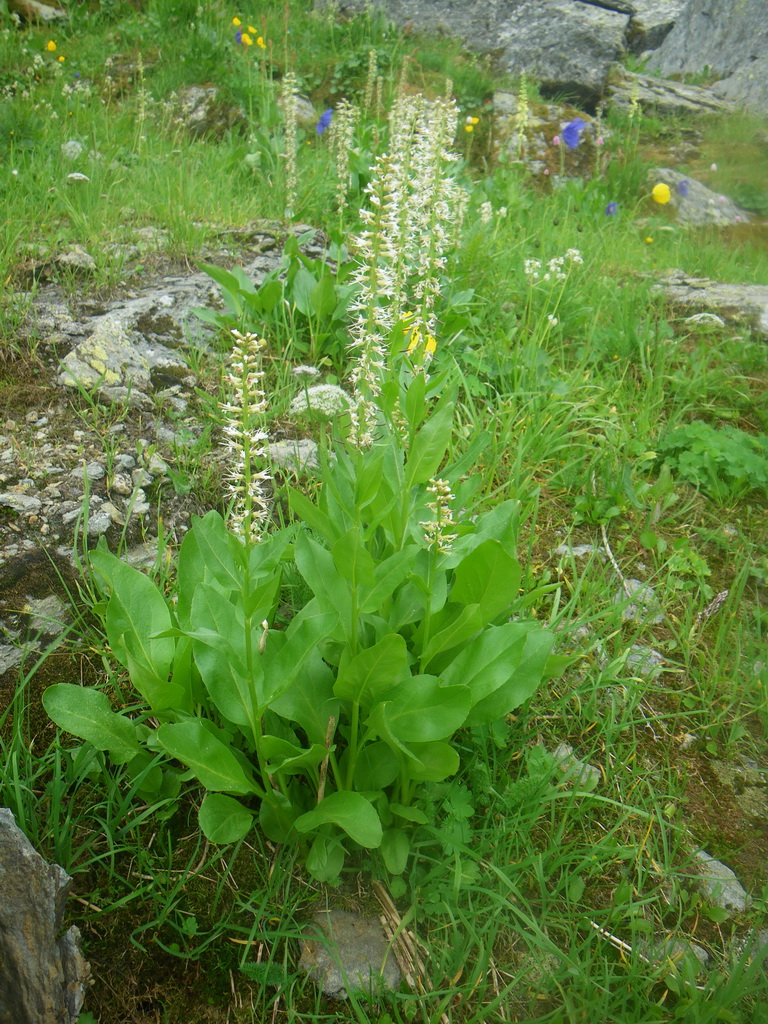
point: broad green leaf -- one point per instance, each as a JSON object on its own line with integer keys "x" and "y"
{"x": 502, "y": 667}
{"x": 376, "y": 767}
{"x": 323, "y": 296}
{"x": 436, "y": 761}
{"x": 211, "y": 761}
{"x": 488, "y": 577}
{"x": 326, "y": 859}
{"x": 316, "y": 566}
{"x": 309, "y": 699}
{"x": 373, "y": 672}
{"x": 387, "y": 577}
{"x": 352, "y": 560}
{"x": 86, "y": 713}
{"x": 137, "y": 610}
{"x": 309, "y": 513}
{"x": 308, "y": 628}
{"x": 217, "y": 549}
{"x": 395, "y": 850}
{"x": 415, "y": 402}
{"x": 224, "y": 819}
{"x": 421, "y": 710}
{"x": 460, "y": 625}
{"x": 304, "y": 285}
{"x": 350, "y": 812}
{"x": 228, "y": 283}
{"x": 431, "y": 443}
{"x": 269, "y": 294}
{"x": 285, "y": 758}
{"x": 276, "y": 817}
{"x": 409, "y": 813}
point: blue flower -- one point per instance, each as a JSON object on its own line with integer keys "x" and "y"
{"x": 682, "y": 188}
{"x": 324, "y": 122}
{"x": 239, "y": 36}
{"x": 572, "y": 132}
{"x": 611, "y": 209}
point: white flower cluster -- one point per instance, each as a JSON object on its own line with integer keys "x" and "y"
{"x": 342, "y": 136}
{"x": 244, "y": 436}
{"x": 437, "y": 531}
{"x": 288, "y": 94}
{"x": 554, "y": 271}
{"x": 327, "y": 400}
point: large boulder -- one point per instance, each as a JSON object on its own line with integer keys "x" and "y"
{"x": 43, "y": 975}
{"x": 727, "y": 38}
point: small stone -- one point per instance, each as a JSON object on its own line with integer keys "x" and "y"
{"x": 644, "y": 661}
{"x": 99, "y": 522}
{"x": 644, "y": 606}
{"x": 92, "y": 472}
{"x": 720, "y": 885}
{"x": 343, "y": 951}
{"x": 48, "y": 615}
{"x": 24, "y": 503}
{"x": 125, "y": 462}
{"x": 138, "y": 504}
{"x": 156, "y": 465}
{"x": 577, "y": 772}
{"x": 578, "y": 550}
{"x": 122, "y": 484}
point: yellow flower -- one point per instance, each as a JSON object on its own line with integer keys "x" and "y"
{"x": 430, "y": 346}
{"x": 246, "y": 39}
{"x": 236, "y": 22}
{"x": 61, "y": 59}
{"x": 661, "y": 193}
{"x": 469, "y": 127}
{"x": 649, "y": 239}
{"x": 50, "y": 46}
{"x": 260, "y": 42}
{"x": 252, "y": 30}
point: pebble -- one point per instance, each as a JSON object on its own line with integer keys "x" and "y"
{"x": 24, "y": 503}
{"x": 720, "y": 885}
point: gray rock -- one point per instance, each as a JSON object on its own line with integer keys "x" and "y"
{"x": 42, "y": 977}
{"x": 204, "y": 112}
{"x": 351, "y": 952}
{"x": 10, "y": 657}
{"x": 643, "y": 606}
{"x": 578, "y": 550}
{"x": 576, "y": 771}
{"x": 92, "y": 472}
{"x": 661, "y": 94}
{"x": 644, "y": 661}
{"x": 747, "y": 87}
{"x": 720, "y": 885}
{"x": 297, "y": 455}
{"x": 122, "y": 484}
{"x": 651, "y": 23}
{"x": 76, "y": 260}
{"x": 700, "y": 205}
{"x": 741, "y": 304}
{"x": 722, "y": 36}
{"x": 25, "y": 503}
{"x": 48, "y": 616}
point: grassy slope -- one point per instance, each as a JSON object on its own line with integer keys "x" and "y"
{"x": 577, "y": 411}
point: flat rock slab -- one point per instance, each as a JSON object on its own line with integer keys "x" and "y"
{"x": 343, "y": 951}
{"x": 662, "y": 94}
{"x": 720, "y": 884}
{"x": 735, "y": 303}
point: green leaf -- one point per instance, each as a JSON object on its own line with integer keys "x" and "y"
{"x": 352, "y": 560}
{"x": 387, "y": 577}
{"x": 502, "y": 668}
{"x": 217, "y": 550}
{"x": 376, "y": 767}
{"x": 421, "y": 710}
{"x": 137, "y": 610}
{"x": 308, "y": 628}
{"x": 488, "y": 577}
{"x": 395, "y": 850}
{"x": 317, "y": 567}
{"x": 212, "y": 763}
{"x": 461, "y": 625}
{"x": 304, "y": 285}
{"x": 323, "y": 296}
{"x": 326, "y": 859}
{"x": 285, "y": 758}
{"x": 434, "y": 761}
{"x": 373, "y": 672}
{"x": 87, "y": 713}
{"x": 224, "y": 819}
{"x": 309, "y": 513}
{"x": 276, "y": 818}
{"x": 431, "y": 443}
{"x": 350, "y": 812}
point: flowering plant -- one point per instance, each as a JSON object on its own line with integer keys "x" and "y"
{"x": 329, "y": 727}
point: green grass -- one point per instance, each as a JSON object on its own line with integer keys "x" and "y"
{"x": 520, "y": 865}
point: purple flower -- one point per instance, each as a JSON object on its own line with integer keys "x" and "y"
{"x": 682, "y": 188}
{"x": 611, "y": 209}
{"x": 239, "y": 36}
{"x": 572, "y": 132}
{"x": 324, "y": 122}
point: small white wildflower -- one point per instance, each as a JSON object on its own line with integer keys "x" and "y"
{"x": 72, "y": 149}
{"x": 532, "y": 267}
{"x": 574, "y": 256}
{"x": 486, "y": 213}
{"x": 305, "y": 371}
{"x": 326, "y": 399}
{"x": 552, "y": 319}
{"x": 502, "y": 212}
{"x": 77, "y": 176}
{"x": 15, "y": 171}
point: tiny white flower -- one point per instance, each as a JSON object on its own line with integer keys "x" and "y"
{"x": 552, "y": 319}
{"x": 305, "y": 371}
{"x": 72, "y": 149}
{"x": 77, "y": 176}
{"x": 327, "y": 399}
